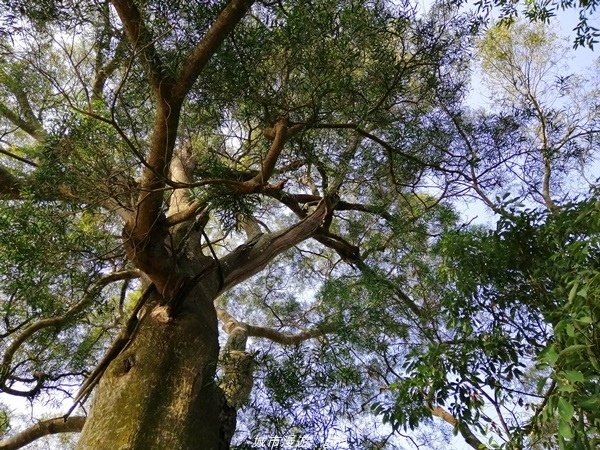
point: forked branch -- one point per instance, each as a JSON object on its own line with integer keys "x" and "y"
{"x": 206, "y": 48}
{"x": 170, "y": 93}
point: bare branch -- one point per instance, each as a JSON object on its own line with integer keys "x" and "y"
{"x": 465, "y": 432}
{"x": 230, "y": 322}
{"x": 385, "y": 145}
{"x": 473, "y": 179}
{"x": 41, "y": 429}
{"x": 250, "y": 258}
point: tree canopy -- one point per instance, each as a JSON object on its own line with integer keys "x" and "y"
{"x": 291, "y": 171}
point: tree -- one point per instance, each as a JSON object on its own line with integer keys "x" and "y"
{"x": 283, "y": 169}
{"x": 158, "y": 155}
{"x": 517, "y": 360}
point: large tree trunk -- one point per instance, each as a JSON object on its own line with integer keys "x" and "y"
{"x": 160, "y": 392}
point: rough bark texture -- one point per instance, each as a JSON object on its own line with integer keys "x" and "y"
{"x": 160, "y": 392}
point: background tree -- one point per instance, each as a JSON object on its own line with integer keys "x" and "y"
{"x": 518, "y": 357}
{"x": 586, "y": 29}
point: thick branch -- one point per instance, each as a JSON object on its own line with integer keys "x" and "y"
{"x": 348, "y": 252}
{"x": 165, "y": 125}
{"x": 252, "y": 257}
{"x": 371, "y": 209}
{"x": 187, "y": 214}
{"x": 465, "y": 432}
{"x": 27, "y": 127}
{"x": 287, "y": 338}
{"x": 206, "y": 48}
{"x": 27, "y": 120}
{"x": 181, "y": 164}
{"x": 546, "y": 152}
{"x": 170, "y": 95}
{"x": 104, "y": 72}
{"x": 146, "y": 223}
{"x": 250, "y": 226}
{"x": 141, "y": 39}
{"x": 351, "y": 255}
{"x": 13, "y": 188}
{"x": 41, "y": 429}
{"x": 10, "y": 186}
{"x": 280, "y": 133}
{"x": 293, "y": 202}
{"x": 18, "y": 158}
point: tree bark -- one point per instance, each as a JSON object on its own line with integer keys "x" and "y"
{"x": 160, "y": 392}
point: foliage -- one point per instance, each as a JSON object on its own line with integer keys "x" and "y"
{"x": 545, "y": 11}
{"x": 389, "y": 308}
{"x": 515, "y": 354}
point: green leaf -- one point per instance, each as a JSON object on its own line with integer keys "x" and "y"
{"x": 586, "y": 320}
{"x": 566, "y": 410}
{"x": 564, "y": 429}
{"x": 549, "y": 355}
{"x": 573, "y": 291}
{"x": 576, "y": 348}
{"x": 592, "y": 403}
{"x": 540, "y": 385}
{"x": 566, "y": 388}
{"x": 574, "y": 376}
